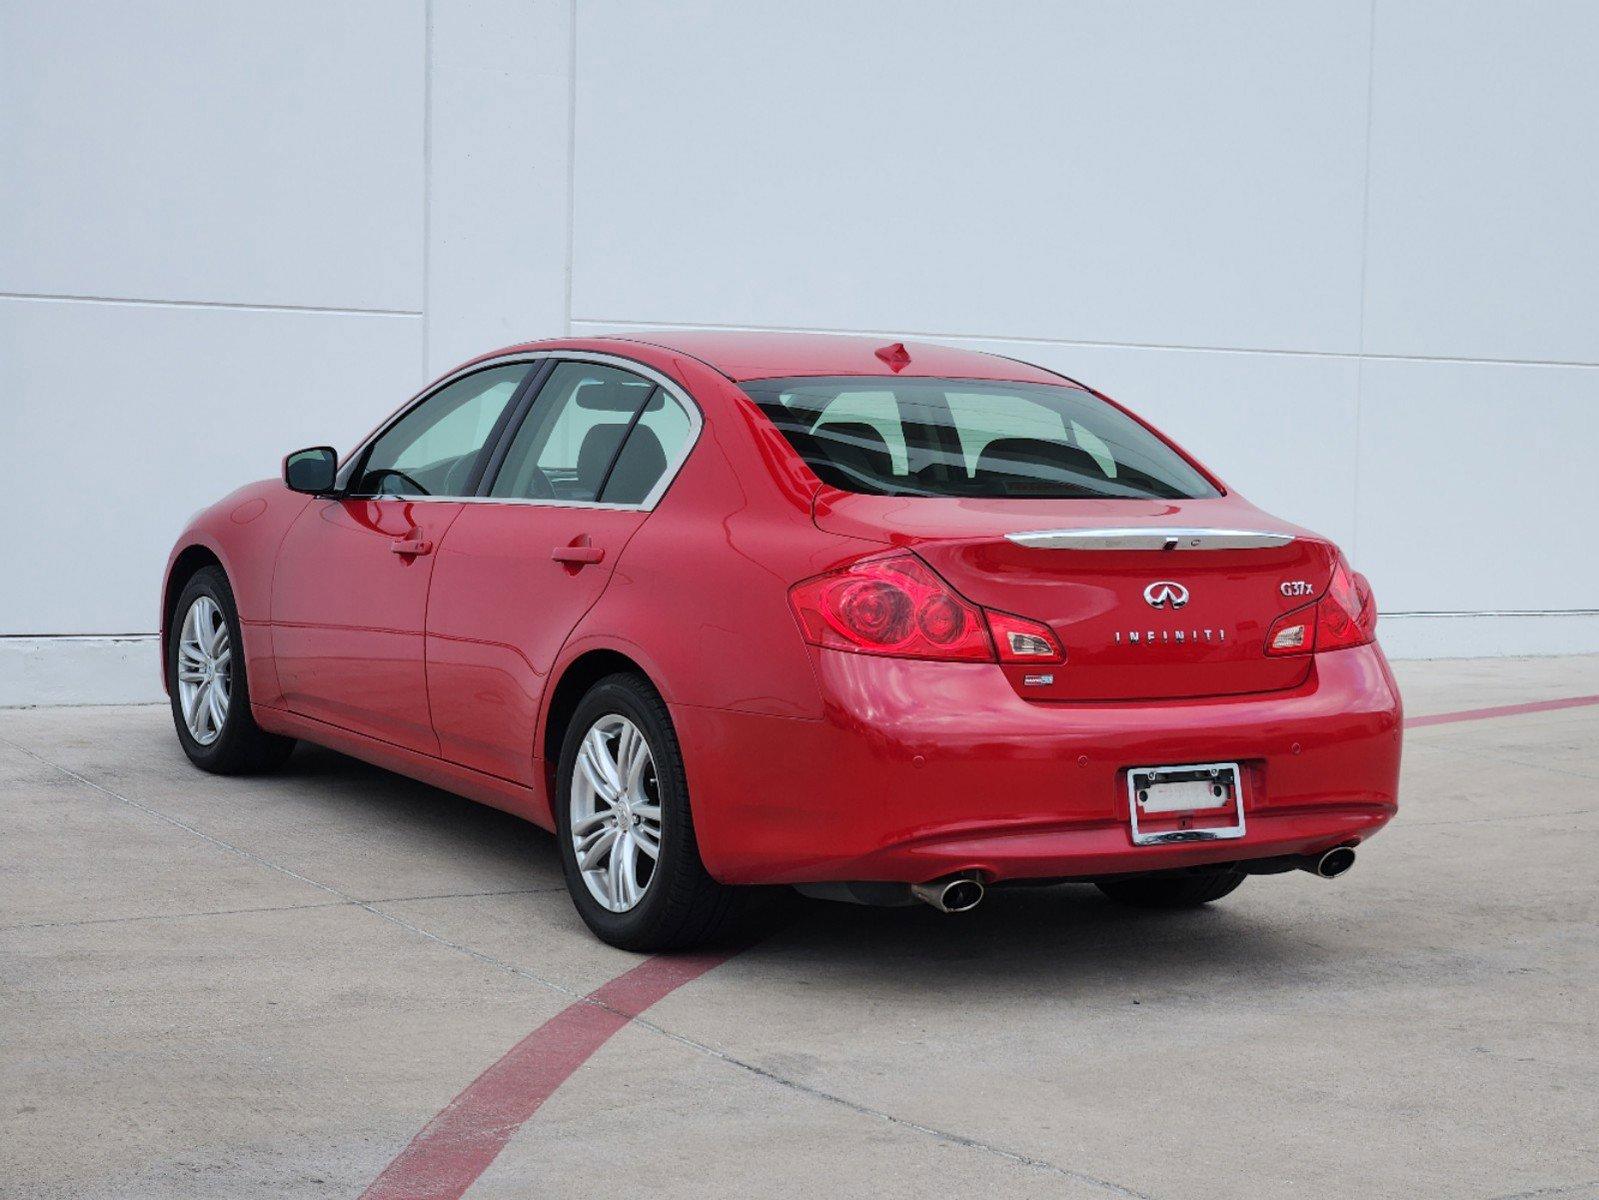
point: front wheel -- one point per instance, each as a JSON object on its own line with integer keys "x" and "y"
{"x": 625, "y": 830}
{"x": 209, "y": 687}
{"x": 1171, "y": 891}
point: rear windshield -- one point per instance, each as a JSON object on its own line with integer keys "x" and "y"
{"x": 966, "y": 437}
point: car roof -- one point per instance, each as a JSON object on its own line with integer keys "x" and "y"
{"x": 741, "y": 355}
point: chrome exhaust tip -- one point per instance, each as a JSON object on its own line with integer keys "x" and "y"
{"x": 962, "y": 893}
{"x": 1331, "y": 863}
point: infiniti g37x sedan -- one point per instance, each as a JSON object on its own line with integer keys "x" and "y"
{"x": 885, "y": 623}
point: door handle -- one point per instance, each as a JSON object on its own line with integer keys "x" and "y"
{"x": 578, "y": 556}
{"x": 411, "y": 546}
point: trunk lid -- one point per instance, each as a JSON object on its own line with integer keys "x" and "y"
{"x": 1151, "y": 599}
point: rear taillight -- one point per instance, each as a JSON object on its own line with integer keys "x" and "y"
{"x": 896, "y": 604}
{"x": 1346, "y": 615}
{"x": 1019, "y": 640}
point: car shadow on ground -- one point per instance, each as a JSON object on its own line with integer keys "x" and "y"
{"x": 1059, "y": 940}
{"x": 482, "y": 844}
{"x": 1020, "y": 937}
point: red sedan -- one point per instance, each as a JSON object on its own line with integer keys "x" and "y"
{"x": 883, "y": 622}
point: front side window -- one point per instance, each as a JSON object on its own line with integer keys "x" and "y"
{"x": 967, "y": 437}
{"x": 596, "y": 434}
{"x": 433, "y": 449}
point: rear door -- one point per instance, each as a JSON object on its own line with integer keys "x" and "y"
{"x": 523, "y": 563}
{"x": 350, "y": 591}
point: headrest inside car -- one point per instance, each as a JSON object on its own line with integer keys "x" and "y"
{"x": 615, "y": 395}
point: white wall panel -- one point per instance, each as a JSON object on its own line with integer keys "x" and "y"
{"x": 1485, "y": 132}
{"x": 120, "y": 420}
{"x": 223, "y": 151}
{"x": 499, "y": 108}
{"x": 1169, "y": 201}
{"x": 1155, "y": 173}
{"x": 1278, "y": 428}
{"x": 1477, "y": 486}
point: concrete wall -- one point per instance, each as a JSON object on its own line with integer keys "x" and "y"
{"x": 1344, "y": 251}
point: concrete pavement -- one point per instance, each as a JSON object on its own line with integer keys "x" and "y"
{"x": 267, "y": 987}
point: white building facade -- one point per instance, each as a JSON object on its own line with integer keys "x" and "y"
{"x": 1347, "y": 253}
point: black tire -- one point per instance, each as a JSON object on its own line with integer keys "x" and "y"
{"x": 682, "y": 906}
{"x": 241, "y": 747}
{"x": 1171, "y": 891}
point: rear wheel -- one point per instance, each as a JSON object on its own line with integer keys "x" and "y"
{"x": 624, "y": 826}
{"x": 209, "y": 688}
{"x": 1171, "y": 891}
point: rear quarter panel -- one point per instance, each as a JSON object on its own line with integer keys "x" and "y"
{"x": 700, "y": 596}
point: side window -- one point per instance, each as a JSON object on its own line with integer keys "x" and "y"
{"x": 432, "y": 450}
{"x": 658, "y": 438}
{"x": 587, "y": 440}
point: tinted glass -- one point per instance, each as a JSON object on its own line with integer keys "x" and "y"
{"x": 432, "y": 450}
{"x": 596, "y": 433}
{"x": 964, "y": 437}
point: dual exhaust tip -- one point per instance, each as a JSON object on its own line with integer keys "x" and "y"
{"x": 1330, "y": 864}
{"x": 962, "y": 893}
{"x": 952, "y": 894}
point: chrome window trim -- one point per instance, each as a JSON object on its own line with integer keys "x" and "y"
{"x": 1150, "y": 537}
{"x": 673, "y": 389}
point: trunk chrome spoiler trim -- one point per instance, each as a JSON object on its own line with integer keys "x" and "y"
{"x": 1149, "y": 537}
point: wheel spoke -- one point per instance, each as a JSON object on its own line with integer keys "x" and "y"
{"x": 595, "y": 776}
{"x": 191, "y": 709}
{"x": 581, "y": 826}
{"x": 600, "y": 766}
{"x": 218, "y": 703}
{"x": 622, "y": 876}
{"x": 632, "y": 753}
{"x": 648, "y": 840}
{"x": 590, "y": 859}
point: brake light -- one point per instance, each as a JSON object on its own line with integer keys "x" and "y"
{"x": 1346, "y": 615}
{"x": 1022, "y": 641}
{"x": 894, "y": 604}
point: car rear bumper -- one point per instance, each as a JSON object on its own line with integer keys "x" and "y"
{"x": 920, "y": 769}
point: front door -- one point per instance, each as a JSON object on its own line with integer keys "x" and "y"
{"x": 350, "y": 593}
{"x": 519, "y": 569}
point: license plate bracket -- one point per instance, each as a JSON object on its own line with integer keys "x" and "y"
{"x": 1197, "y": 802}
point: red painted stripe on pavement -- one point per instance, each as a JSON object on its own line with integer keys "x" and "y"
{"x": 1503, "y": 710}
{"x": 459, "y": 1144}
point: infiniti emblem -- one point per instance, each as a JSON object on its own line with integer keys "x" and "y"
{"x": 1163, "y": 593}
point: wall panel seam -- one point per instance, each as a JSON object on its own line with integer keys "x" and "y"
{"x": 1086, "y": 343}
{"x": 1365, "y": 242}
{"x": 240, "y": 306}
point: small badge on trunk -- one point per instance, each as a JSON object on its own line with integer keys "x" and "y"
{"x": 1037, "y": 680}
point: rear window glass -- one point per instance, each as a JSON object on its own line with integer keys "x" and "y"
{"x": 965, "y": 437}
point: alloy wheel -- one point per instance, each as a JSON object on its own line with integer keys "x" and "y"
{"x": 616, "y": 813}
{"x": 205, "y": 670}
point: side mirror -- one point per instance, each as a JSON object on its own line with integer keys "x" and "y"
{"x": 312, "y": 471}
